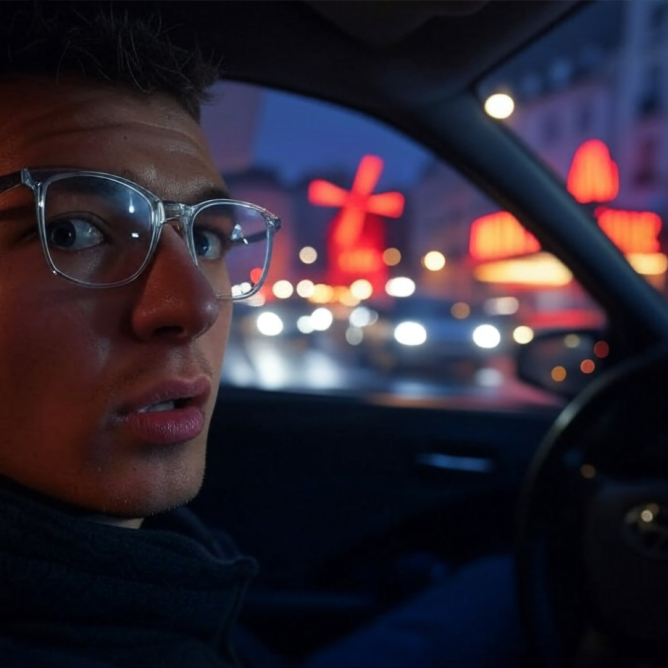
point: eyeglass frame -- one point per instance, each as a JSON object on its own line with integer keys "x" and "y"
{"x": 163, "y": 213}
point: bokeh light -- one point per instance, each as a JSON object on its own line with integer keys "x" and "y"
{"x": 434, "y": 261}
{"x": 486, "y": 336}
{"x": 363, "y": 316}
{"x": 460, "y": 310}
{"x": 410, "y": 333}
{"x": 391, "y": 257}
{"x": 354, "y": 336}
{"x": 523, "y": 334}
{"x": 269, "y": 324}
{"x": 601, "y": 349}
{"x": 401, "y": 286}
{"x": 499, "y": 105}
{"x": 501, "y": 305}
{"x": 571, "y": 341}
{"x": 321, "y": 319}
{"x": 305, "y": 288}
{"x": 587, "y": 366}
{"x": 308, "y": 255}
{"x": 322, "y": 293}
{"x": 558, "y": 374}
{"x": 361, "y": 289}
{"x": 304, "y": 324}
{"x": 283, "y": 289}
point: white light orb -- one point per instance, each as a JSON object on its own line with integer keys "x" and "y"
{"x": 269, "y": 324}
{"x": 401, "y": 286}
{"x": 434, "y": 261}
{"x": 410, "y": 333}
{"x": 486, "y": 336}
{"x": 308, "y": 255}
{"x": 322, "y": 319}
{"x": 283, "y": 289}
{"x": 499, "y": 105}
{"x": 354, "y": 336}
{"x": 361, "y": 289}
{"x": 304, "y": 324}
{"x": 523, "y": 334}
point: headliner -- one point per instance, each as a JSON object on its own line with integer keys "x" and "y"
{"x": 368, "y": 55}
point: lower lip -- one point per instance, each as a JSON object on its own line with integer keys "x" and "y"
{"x": 165, "y": 427}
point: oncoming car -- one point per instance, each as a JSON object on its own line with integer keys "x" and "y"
{"x": 432, "y": 337}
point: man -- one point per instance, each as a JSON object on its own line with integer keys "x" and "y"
{"x": 111, "y": 348}
{"x": 119, "y": 264}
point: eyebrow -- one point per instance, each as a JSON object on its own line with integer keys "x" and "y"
{"x": 18, "y": 213}
{"x": 204, "y": 194}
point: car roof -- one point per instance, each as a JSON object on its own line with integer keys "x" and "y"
{"x": 378, "y": 57}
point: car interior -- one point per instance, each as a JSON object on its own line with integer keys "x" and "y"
{"x": 356, "y": 496}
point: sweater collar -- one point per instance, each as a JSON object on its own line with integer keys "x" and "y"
{"x": 59, "y": 568}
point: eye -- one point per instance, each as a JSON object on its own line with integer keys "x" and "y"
{"x": 209, "y": 244}
{"x": 73, "y": 233}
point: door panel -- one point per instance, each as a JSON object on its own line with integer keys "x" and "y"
{"x": 336, "y": 497}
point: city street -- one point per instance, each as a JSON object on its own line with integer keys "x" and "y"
{"x": 288, "y": 365}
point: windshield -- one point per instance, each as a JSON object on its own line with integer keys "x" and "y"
{"x": 589, "y": 98}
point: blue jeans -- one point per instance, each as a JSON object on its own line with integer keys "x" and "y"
{"x": 469, "y": 620}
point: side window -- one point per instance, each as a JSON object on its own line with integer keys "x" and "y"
{"x": 392, "y": 275}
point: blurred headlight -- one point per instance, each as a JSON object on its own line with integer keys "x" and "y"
{"x": 269, "y": 324}
{"x": 410, "y": 333}
{"x": 304, "y": 324}
{"x": 363, "y": 316}
{"x": 321, "y": 319}
{"x": 486, "y": 336}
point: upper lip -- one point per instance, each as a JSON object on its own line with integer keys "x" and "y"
{"x": 195, "y": 390}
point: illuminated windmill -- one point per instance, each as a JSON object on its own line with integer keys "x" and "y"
{"x": 356, "y": 235}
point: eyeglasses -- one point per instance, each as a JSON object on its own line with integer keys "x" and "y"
{"x": 100, "y": 231}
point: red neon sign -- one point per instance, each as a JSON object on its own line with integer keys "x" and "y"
{"x": 500, "y": 235}
{"x": 631, "y": 231}
{"x": 356, "y": 236}
{"x": 593, "y": 176}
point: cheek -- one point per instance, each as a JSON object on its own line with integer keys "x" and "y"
{"x": 48, "y": 347}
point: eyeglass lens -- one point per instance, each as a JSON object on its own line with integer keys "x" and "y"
{"x": 99, "y": 231}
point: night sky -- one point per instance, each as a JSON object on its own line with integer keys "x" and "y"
{"x": 292, "y": 132}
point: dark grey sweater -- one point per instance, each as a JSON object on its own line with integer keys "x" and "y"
{"x": 81, "y": 594}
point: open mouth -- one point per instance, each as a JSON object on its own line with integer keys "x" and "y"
{"x": 171, "y": 405}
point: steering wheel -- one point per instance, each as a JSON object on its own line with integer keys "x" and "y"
{"x": 592, "y": 548}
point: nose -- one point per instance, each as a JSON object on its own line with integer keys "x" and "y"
{"x": 176, "y": 301}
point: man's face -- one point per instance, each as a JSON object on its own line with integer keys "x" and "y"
{"x": 76, "y": 362}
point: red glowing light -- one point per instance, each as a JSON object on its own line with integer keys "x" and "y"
{"x": 256, "y": 275}
{"x": 631, "y": 231}
{"x": 601, "y": 349}
{"x": 593, "y": 176}
{"x": 500, "y": 235}
{"x": 356, "y": 237}
{"x": 587, "y": 366}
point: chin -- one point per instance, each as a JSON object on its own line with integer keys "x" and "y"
{"x": 135, "y": 488}
{"x": 149, "y": 497}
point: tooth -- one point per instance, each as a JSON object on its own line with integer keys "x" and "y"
{"x": 164, "y": 406}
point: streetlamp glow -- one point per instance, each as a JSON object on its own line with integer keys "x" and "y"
{"x": 499, "y": 105}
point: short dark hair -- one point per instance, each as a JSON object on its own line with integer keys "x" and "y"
{"x": 105, "y": 44}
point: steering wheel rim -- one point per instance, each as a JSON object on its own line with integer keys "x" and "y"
{"x": 585, "y": 492}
